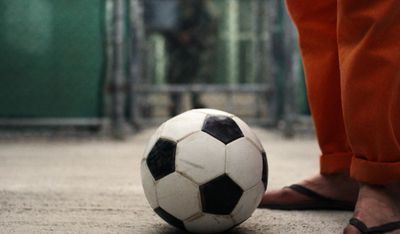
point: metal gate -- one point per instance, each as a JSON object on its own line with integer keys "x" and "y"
{"x": 254, "y": 67}
{"x": 255, "y": 75}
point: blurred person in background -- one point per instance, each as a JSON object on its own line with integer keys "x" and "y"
{"x": 351, "y": 55}
{"x": 188, "y": 49}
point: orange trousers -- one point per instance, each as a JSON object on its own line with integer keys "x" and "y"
{"x": 351, "y": 57}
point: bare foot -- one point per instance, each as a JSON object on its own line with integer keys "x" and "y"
{"x": 339, "y": 187}
{"x": 377, "y": 205}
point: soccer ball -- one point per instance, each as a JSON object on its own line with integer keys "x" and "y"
{"x": 204, "y": 171}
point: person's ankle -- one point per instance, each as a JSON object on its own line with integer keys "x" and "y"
{"x": 340, "y": 174}
{"x": 394, "y": 188}
{"x": 390, "y": 190}
{"x": 339, "y": 177}
{"x": 391, "y": 187}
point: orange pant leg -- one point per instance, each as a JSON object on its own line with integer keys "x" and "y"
{"x": 369, "y": 51}
{"x": 316, "y": 22}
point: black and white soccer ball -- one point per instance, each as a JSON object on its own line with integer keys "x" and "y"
{"x": 204, "y": 171}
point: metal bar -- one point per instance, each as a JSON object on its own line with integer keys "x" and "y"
{"x": 136, "y": 55}
{"x": 252, "y": 55}
{"x": 251, "y": 121}
{"x": 118, "y": 97}
{"x": 277, "y": 53}
{"x": 204, "y": 88}
{"x": 291, "y": 77}
{"x": 256, "y": 61}
{"x": 233, "y": 50}
{"x": 17, "y": 122}
{"x": 109, "y": 56}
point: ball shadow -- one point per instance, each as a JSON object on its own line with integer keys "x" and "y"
{"x": 166, "y": 229}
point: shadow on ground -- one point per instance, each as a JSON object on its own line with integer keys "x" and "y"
{"x": 166, "y": 229}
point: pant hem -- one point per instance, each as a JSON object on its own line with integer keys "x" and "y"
{"x": 335, "y": 163}
{"x": 378, "y": 173}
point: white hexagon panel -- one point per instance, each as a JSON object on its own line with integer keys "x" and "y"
{"x": 244, "y": 163}
{"x": 248, "y": 203}
{"x": 148, "y": 184}
{"x": 200, "y": 157}
{"x": 248, "y": 133}
{"x": 183, "y": 125}
{"x": 178, "y": 195}
{"x": 208, "y": 223}
{"x": 214, "y": 112}
{"x": 153, "y": 139}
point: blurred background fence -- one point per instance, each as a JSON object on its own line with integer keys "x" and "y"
{"x": 107, "y": 64}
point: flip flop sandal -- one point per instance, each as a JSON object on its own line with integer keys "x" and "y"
{"x": 387, "y": 227}
{"x": 318, "y": 202}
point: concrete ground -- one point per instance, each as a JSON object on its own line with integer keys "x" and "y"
{"x": 93, "y": 186}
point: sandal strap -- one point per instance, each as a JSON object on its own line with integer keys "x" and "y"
{"x": 387, "y": 227}
{"x": 309, "y": 193}
{"x": 359, "y": 225}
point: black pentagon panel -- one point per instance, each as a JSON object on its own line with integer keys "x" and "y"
{"x": 223, "y": 128}
{"x": 161, "y": 159}
{"x": 169, "y": 218}
{"x": 264, "y": 170}
{"x": 220, "y": 195}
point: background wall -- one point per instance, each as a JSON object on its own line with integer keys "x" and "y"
{"x": 51, "y": 58}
